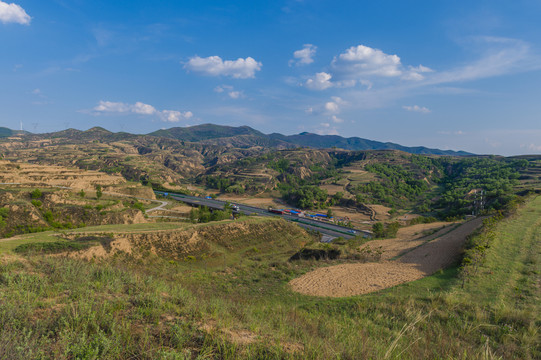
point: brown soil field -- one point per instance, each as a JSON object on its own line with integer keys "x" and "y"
{"x": 259, "y": 202}
{"x": 353, "y": 215}
{"x": 408, "y": 238}
{"x": 26, "y": 174}
{"x": 355, "y": 279}
{"x": 382, "y": 212}
{"x": 333, "y": 189}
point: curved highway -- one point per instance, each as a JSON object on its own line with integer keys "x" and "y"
{"x": 323, "y": 227}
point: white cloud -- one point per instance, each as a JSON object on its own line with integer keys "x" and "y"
{"x": 174, "y": 116}
{"x": 362, "y": 65}
{"x": 143, "y": 109}
{"x": 503, "y": 56}
{"x": 36, "y": 91}
{"x": 109, "y": 106}
{"x": 333, "y": 106}
{"x": 231, "y": 92}
{"x": 336, "y": 119}
{"x": 13, "y": 13}
{"x": 417, "y": 108}
{"x": 304, "y": 56}
{"x": 235, "y": 94}
{"x": 221, "y": 89}
{"x": 326, "y": 129}
{"x": 319, "y": 81}
{"x": 140, "y": 108}
{"x": 215, "y": 66}
{"x": 415, "y": 73}
{"x": 362, "y": 61}
{"x": 531, "y": 147}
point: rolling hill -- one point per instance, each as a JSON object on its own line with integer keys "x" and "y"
{"x": 245, "y": 136}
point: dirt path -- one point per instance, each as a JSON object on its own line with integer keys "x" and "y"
{"x": 355, "y": 279}
{"x": 162, "y": 206}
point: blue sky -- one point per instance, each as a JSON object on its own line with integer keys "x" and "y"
{"x": 448, "y": 74}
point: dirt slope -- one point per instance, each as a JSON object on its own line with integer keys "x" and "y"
{"x": 355, "y": 279}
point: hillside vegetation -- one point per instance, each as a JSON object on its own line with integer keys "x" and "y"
{"x": 240, "y": 306}
{"x": 183, "y": 159}
{"x": 36, "y": 198}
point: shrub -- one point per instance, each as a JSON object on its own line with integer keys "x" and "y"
{"x": 36, "y": 194}
{"x": 50, "y": 247}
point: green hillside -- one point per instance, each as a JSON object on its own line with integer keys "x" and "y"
{"x": 5, "y": 132}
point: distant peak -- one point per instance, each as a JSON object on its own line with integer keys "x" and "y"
{"x": 97, "y": 129}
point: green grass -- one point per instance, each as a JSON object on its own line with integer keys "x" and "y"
{"x": 51, "y": 247}
{"x": 157, "y": 308}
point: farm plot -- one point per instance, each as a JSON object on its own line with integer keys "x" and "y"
{"x": 355, "y": 279}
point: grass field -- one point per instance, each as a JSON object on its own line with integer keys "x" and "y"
{"x": 242, "y": 307}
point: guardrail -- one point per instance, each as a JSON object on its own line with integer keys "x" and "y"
{"x": 313, "y": 224}
{"x": 322, "y": 227}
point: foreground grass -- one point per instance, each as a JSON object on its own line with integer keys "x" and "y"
{"x": 240, "y": 306}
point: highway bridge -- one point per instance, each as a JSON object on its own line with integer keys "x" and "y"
{"x": 331, "y": 230}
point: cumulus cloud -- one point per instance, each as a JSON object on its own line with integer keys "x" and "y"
{"x": 364, "y": 61}
{"x": 13, "y": 13}
{"x": 304, "y": 56}
{"x": 362, "y": 65}
{"x": 143, "y": 109}
{"x": 333, "y": 106}
{"x": 174, "y": 116}
{"x": 319, "y": 81}
{"x": 417, "y": 108}
{"x": 231, "y": 92}
{"x": 215, "y": 66}
{"x": 140, "y": 108}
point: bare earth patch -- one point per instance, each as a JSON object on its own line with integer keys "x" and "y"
{"x": 409, "y": 238}
{"x": 382, "y": 212}
{"x": 258, "y": 202}
{"x": 355, "y": 279}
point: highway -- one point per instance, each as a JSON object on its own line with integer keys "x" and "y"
{"x": 331, "y": 230}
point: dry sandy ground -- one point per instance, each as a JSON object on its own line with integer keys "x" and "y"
{"x": 408, "y": 238}
{"x": 259, "y": 202}
{"x": 333, "y": 189}
{"x": 355, "y": 279}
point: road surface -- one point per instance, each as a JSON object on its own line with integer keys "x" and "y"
{"x": 331, "y": 230}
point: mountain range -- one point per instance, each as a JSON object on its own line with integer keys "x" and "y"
{"x": 247, "y": 137}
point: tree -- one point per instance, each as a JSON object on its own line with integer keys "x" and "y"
{"x": 378, "y": 230}
{"x": 329, "y": 213}
{"x": 99, "y": 192}
{"x": 193, "y": 215}
{"x": 82, "y": 193}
